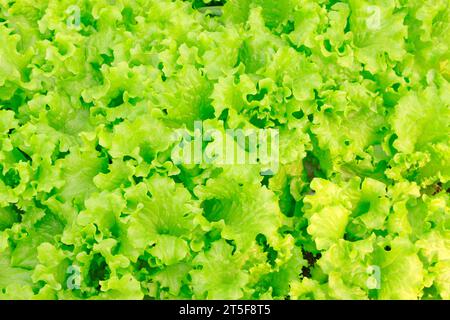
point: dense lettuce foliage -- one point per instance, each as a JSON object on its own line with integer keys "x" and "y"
{"x": 93, "y": 207}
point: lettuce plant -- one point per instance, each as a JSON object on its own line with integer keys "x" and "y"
{"x": 93, "y": 205}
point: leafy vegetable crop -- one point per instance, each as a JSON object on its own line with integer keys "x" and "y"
{"x": 94, "y": 206}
